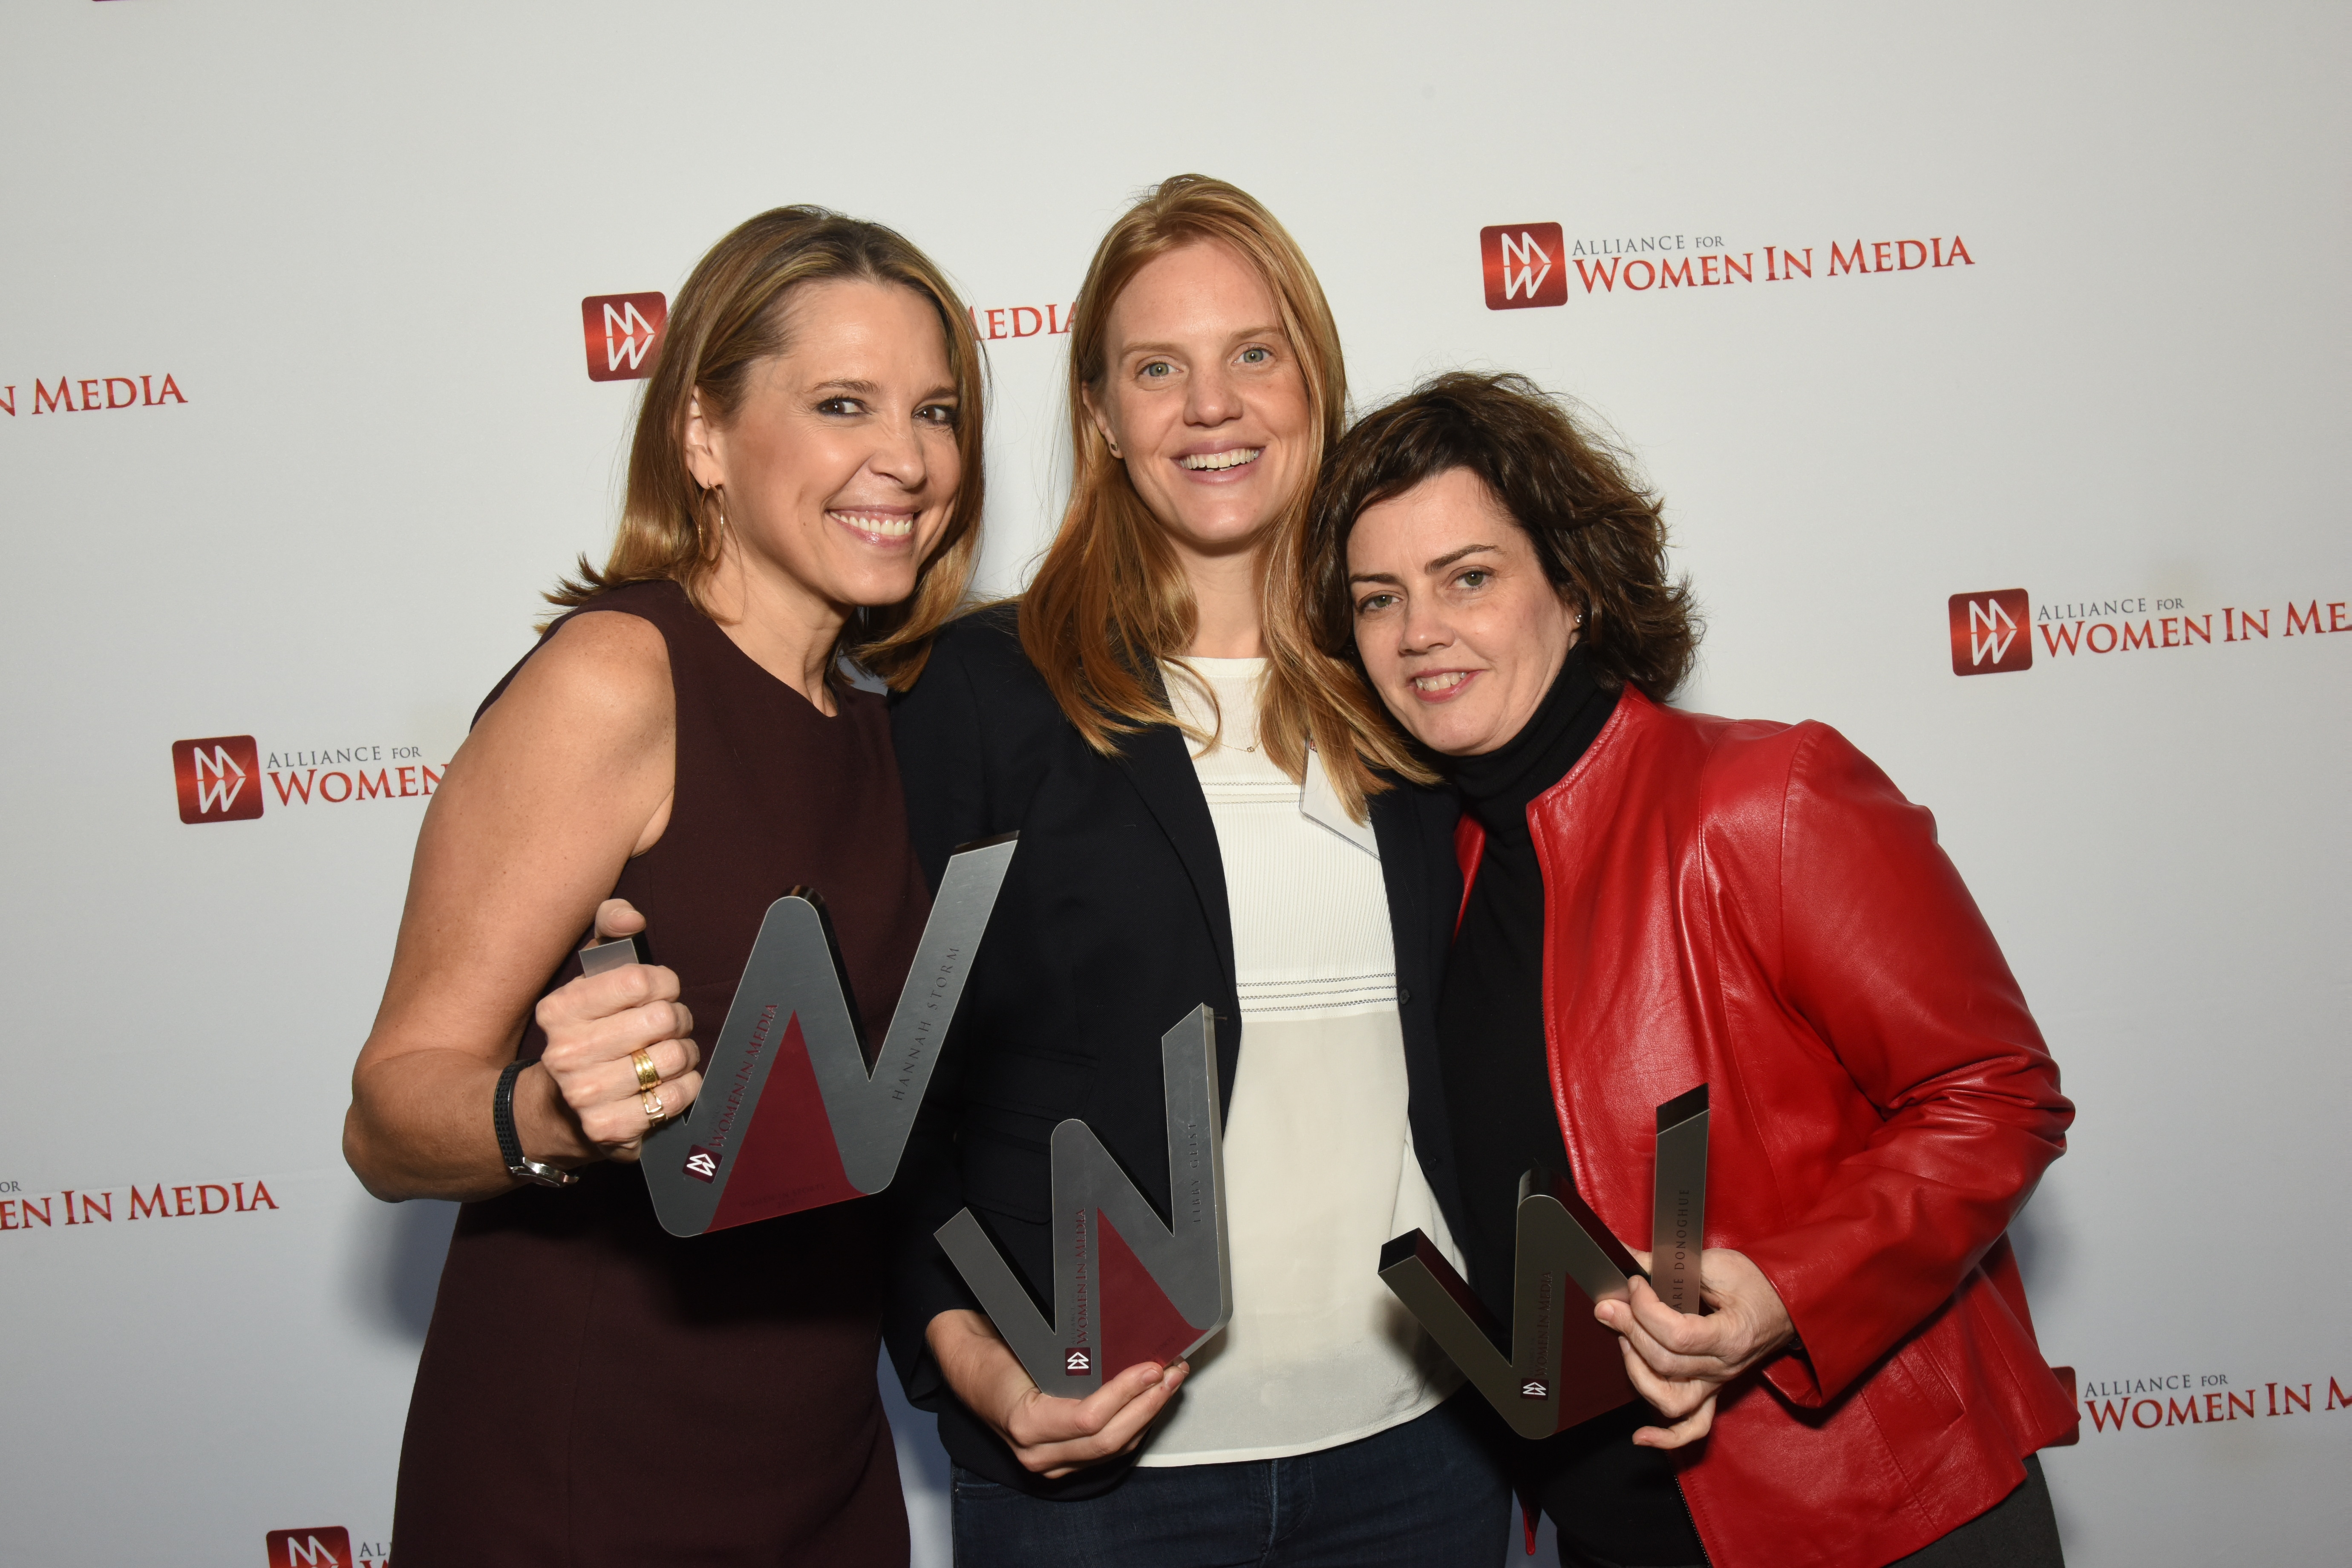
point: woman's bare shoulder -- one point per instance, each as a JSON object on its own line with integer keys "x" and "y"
{"x": 607, "y": 671}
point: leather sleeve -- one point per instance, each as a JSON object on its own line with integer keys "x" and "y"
{"x": 1884, "y": 953}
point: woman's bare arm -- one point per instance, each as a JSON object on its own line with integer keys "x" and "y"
{"x": 567, "y": 775}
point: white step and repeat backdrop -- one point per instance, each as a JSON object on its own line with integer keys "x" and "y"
{"x": 1991, "y": 359}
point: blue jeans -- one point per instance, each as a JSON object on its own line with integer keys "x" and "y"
{"x": 1428, "y": 1494}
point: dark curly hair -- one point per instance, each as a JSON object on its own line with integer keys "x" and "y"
{"x": 1599, "y": 534}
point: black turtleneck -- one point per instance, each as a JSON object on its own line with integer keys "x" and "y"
{"x": 1609, "y": 1499}
{"x": 1490, "y": 1016}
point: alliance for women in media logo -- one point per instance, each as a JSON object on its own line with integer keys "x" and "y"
{"x": 219, "y": 779}
{"x": 1994, "y": 630}
{"x": 324, "y": 1546}
{"x": 621, "y": 331}
{"x": 1989, "y": 632}
{"x": 1526, "y": 263}
{"x": 230, "y": 778}
{"x": 1530, "y": 264}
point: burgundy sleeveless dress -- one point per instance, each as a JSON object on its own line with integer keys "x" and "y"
{"x": 593, "y": 1391}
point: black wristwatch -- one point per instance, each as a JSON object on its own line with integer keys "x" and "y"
{"x": 518, "y": 1165}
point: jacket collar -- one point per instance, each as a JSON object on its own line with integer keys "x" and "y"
{"x": 1404, "y": 848}
{"x": 1320, "y": 803}
{"x": 1633, "y": 712}
{"x": 1158, "y": 764}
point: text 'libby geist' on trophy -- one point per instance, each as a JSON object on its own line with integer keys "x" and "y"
{"x": 1129, "y": 1287}
{"x": 1563, "y": 1367}
{"x": 792, "y": 1116}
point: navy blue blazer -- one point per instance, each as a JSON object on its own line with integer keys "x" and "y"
{"x": 1112, "y": 925}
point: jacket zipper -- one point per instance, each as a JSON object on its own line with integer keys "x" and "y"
{"x": 1553, "y": 1056}
{"x": 1688, "y": 1514}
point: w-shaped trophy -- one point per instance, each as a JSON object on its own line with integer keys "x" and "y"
{"x": 1563, "y": 1367}
{"x": 1129, "y": 1287}
{"x": 790, "y": 1116}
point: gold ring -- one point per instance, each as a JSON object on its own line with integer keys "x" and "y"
{"x": 648, "y": 1075}
{"x": 652, "y": 1106}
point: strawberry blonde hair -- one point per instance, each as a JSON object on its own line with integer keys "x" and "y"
{"x": 1112, "y": 599}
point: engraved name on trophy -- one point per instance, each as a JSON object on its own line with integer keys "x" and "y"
{"x": 1564, "y": 1368}
{"x": 1678, "y": 1201}
{"x": 1128, "y": 1286}
{"x": 790, "y": 1116}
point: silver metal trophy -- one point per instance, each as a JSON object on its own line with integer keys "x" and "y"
{"x": 1128, "y": 1286}
{"x": 1564, "y": 1368}
{"x": 790, "y": 1116}
{"x": 1678, "y": 1202}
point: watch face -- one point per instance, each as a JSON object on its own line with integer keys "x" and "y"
{"x": 545, "y": 1175}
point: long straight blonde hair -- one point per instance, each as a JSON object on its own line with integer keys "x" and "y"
{"x": 1112, "y": 599}
{"x": 730, "y": 316}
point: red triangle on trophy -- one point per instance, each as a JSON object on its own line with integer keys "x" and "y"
{"x": 788, "y": 1161}
{"x": 1140, "y": 1323}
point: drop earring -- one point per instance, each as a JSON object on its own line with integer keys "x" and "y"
{"x": 718, "y": 497}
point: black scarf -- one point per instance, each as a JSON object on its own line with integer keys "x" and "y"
{"x": 1614, "y": 1500}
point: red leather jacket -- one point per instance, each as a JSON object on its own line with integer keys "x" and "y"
{"x": 1755, "y": 907}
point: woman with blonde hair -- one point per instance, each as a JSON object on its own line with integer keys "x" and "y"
{"x": 806, "y": 481}
{"x": 1208, "y": 812}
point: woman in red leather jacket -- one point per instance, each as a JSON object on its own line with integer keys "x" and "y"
{"x": 1656, "y": 900}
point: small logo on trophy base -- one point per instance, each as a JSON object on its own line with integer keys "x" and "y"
{"x": 1079, "y": 1362}
{"x": 701, "y": 1164}
{"x": 1535, "y": 1388}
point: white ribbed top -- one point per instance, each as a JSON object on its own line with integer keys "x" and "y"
{"x": 1319, "y": 1168}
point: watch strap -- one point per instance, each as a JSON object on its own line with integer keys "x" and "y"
{"x": 520, "y": 1165}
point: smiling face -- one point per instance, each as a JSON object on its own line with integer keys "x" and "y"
{"x": 840, "y": 467}
{"x": 1203, "y": 398}
{"x": 1458, "y": 626}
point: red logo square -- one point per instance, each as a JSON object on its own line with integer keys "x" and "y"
{"x": 1079, "y": 1361}
{"x": 219, "y": 778}
{"x": 622, "y": 330}
{"x": 701, "y": 1164}
{"x": 1535, "y": 1388}
{"x": 1992, "y": 632}
{"x": 327, "y": 1546}
{"x": 1527, "y": 264}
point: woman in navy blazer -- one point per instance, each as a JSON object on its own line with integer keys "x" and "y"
{"x": 1111, "y": 926}
{"x": 1207, "y": 385}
